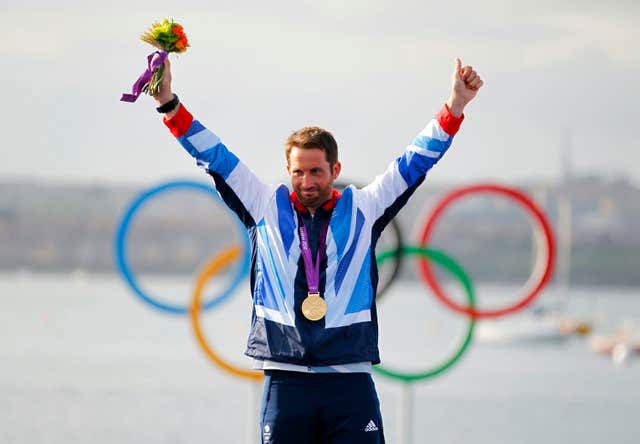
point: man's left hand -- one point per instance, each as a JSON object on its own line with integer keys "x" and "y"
{"x": 465, "y": 84}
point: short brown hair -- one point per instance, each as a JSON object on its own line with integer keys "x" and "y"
{"x": 313, "y": 137}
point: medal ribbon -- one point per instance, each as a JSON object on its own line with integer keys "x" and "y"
{"x": 311, "y": 269}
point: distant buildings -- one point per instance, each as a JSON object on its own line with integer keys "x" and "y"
{"x": 49, "y": 227}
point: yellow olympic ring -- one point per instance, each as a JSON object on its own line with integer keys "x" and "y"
{"x": 215, "y": 265}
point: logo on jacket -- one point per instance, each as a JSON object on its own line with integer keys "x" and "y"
{"x": 266, "y": 433}
{"x": 371, "y": 427}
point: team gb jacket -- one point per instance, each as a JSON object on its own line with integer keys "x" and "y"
{"x": 349, "y": 275}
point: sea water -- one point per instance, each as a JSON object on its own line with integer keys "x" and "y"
{"x": 82, "y": 360}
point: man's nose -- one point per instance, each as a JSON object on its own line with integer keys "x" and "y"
{"x": 306, "y": 179}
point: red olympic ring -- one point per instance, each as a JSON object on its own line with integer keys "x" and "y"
{"x": 542, "y": 222}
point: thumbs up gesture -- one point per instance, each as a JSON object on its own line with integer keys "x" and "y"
{"x": 465, "y": 84}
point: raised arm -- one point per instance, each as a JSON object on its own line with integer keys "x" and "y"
{"x": 390, "y": 191}
{"x": 238, "y": 186}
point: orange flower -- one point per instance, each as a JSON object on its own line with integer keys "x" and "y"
{"x": 178, "y": 30}
{"x": 182, "y": 43}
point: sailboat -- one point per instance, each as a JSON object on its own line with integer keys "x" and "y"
{"x": 621, "y": 345}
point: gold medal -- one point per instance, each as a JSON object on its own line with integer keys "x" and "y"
{"x": 314, "y": 307}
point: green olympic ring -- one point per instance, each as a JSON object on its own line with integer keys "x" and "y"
{"x": 454, "y": 268}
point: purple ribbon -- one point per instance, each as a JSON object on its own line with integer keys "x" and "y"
{"x": 311, "y": 270}
{"x": 154, "y": 61}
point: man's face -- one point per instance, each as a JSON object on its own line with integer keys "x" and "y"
{"x": 311, "y": 175}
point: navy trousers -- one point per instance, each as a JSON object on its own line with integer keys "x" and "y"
{"x": 320, "y": 408}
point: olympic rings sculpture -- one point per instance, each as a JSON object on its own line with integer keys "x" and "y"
{"x": 541, "y": 272}
{"x": 120, "y": 243}
{"x": 538, "y": 278}
{"x": 454, "y": 268}
{"x": 209, "y": 270}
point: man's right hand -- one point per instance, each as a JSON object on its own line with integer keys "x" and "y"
{"x": 166, "y": 94}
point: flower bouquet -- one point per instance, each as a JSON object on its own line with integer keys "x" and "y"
{"x": 168, "y": 36}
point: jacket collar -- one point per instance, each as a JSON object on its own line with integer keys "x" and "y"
{"x": 327, "y": 206}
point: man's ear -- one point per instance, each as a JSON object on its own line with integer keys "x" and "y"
{"x": 337, "y": 167}
{"x": 288, "y": 168}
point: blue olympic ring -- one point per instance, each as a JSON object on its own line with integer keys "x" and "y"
{"x": 122, "y": 232}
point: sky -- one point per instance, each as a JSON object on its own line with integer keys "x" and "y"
{"x": 560, "y": 77}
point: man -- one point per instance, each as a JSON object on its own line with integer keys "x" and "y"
{"x": 313, "y": 271}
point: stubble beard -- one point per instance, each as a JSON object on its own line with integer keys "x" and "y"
{"x": 314, "y": 202}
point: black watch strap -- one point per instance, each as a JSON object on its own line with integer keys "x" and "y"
{"x": 169, "y": 106}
